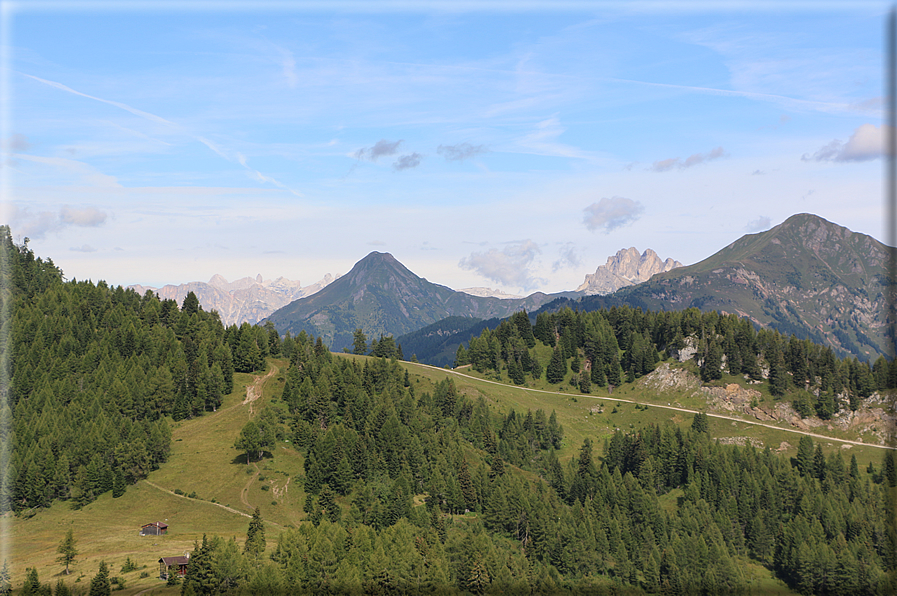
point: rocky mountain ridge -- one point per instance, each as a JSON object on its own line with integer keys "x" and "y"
{"x": 624, "y": 269}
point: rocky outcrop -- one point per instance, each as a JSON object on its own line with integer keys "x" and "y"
{"x": 245, "y": 300}
{"x": 871, "y": 422}
{"x": 625, "y": 268}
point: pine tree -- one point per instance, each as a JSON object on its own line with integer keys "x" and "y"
{"x": 255, "y": 536}
{"x": 67, "y": 550}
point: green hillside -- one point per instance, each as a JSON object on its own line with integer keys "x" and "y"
{"x": 204, "y": 461}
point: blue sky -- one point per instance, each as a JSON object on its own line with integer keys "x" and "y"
{"x": 486, "y": 145}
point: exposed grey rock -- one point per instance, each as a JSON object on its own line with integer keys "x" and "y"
{"x": 625, "y": 268}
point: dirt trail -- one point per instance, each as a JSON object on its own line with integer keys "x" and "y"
{"x": 245, "y": 490}
{"x": 653, "y": 405}
{"x": 254, "y": 389}
{"x": 197, "y": 500}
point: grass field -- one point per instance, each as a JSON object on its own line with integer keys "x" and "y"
{"x": 203, "y": 461}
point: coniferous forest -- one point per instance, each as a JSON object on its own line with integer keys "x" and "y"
{"x": 414, "y": 492}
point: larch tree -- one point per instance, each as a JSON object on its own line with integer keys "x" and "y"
{"x": 67, "y": 550}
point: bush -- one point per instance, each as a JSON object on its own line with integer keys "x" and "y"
{"x": 128, "y": 566}
{"x": 266, "y": 487}
{"x": 178, "y": 491}
{"x": 144, "y": 574}
{"x": 192, "y": 495}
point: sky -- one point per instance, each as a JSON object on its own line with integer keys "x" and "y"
{"x": 511, "y": 145}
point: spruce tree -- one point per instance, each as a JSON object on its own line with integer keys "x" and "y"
{"x": 557, "y": 367}
{"x": 255, "y": 536}
{"x": 99, "y": 585}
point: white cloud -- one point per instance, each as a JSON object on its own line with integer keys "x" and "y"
{"x": 85, "y": 217}
{"x": 866, "y": 143}
{"x": 758, "y": 225}
{"x": 509, "y": 267}
{"x": 610, "y": 214}
{"x": 83, "y": 248}
{"x": 26, "y": 223}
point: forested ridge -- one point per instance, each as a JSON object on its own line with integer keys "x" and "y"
{"x": 605, "y": 348}
{"x": 92, "y": 374}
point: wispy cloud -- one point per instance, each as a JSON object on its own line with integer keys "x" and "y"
{"x": 609, "y": 214}
{"x": 568, "y": 257}
{"x": 83, "y": 248}
{"x": 694, "y": 159}
{"x": 509, "y": 267}
{"x": 461, "y": 151}
{"x": 406, "y": 162}
{"x": 758, "y": 225}
{"x": 866, "y": 142}
{"x": 172, "y": 126}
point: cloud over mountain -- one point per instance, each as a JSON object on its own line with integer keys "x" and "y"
{"x": 509, "y": 266}
{"x": 609, "y": 214}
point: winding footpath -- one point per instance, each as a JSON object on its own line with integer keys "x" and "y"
{"x": 654, "y": 405}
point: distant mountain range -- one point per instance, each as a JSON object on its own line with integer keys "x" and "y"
{"x": 247, "y": 299}
{"x": 381, "y": 296}
{"x": 806, "y": 276}
{"x": 624, "y": 269}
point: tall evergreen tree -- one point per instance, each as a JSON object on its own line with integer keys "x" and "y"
{"x": 557, "y": 367}
{"x": 255, "y": 536}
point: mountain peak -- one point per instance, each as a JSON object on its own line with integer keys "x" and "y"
{"x": 625, "y": 268}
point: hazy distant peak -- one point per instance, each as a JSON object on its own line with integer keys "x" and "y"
{"x": 489, "y": 293}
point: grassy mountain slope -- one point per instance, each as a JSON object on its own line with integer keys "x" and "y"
{"x": 381, "y": 296}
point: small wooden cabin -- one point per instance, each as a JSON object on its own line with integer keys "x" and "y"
{"x": 166, "y": 563}
{"x": 154, "y": 529}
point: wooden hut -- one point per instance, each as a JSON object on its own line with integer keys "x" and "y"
{"x": 154, "y": 529}
{"x": 166, "y": 563}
